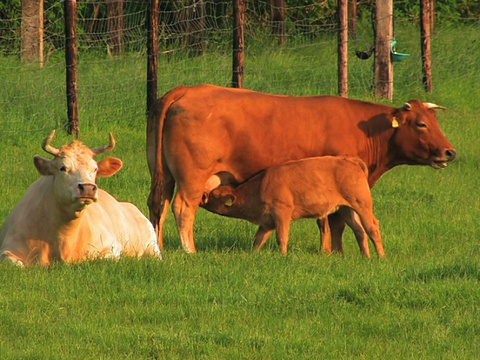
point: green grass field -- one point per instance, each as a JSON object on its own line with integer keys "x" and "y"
{"x": 421, "y": 302}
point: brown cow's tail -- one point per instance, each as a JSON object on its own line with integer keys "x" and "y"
{"x": 155, "y": 124}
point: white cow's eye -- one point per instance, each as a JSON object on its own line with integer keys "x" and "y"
{"x": 63, "y": 168}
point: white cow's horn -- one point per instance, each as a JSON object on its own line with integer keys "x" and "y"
{"x": 49, "y": 148}
{"x": 105, "y": 148}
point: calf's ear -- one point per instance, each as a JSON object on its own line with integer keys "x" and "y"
{"x": 109, "y": 166}
{"x": 42, "y": 165}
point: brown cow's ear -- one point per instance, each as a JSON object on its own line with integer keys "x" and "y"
{"x": 229, "y": 200}
{"x": 42, "y": 165}
{"x": 395, "y": 123}
{"x": 109, "y": 166}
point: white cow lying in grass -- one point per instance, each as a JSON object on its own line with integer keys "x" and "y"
{"x": 63, "y": 216}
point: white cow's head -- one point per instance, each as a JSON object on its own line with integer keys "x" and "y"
{"x": 74, "y": 171}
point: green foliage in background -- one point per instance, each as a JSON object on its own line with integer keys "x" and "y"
{"x": 308, "y": 18}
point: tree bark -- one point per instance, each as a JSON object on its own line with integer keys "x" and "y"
{"x": 70, "y": 13}
{"x": 352, "y": 19}
{"x": 115, "y": 27}
{"x": 32, "y": 31}
{"x": 425, "y": 41}
{"x": 342, "y": 48}
{"x": 238, "y": 42}
{"x": 383, "y": 38}
{"x": 278, "y": 20}
{"x": 152, "y": 52}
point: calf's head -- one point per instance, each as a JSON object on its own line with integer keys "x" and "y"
{"x": 220, "y": 200}
{"x": 418, "y": 138}
{"x": 75, "y": 171}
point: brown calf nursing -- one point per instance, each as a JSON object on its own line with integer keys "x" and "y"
{"x": 308, "y": 188}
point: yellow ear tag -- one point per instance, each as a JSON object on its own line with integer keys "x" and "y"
{"x": 229, "y": 202}
{"x": 394, "y": 123}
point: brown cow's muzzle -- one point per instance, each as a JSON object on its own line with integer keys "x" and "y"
{"x": 440, "y": 162}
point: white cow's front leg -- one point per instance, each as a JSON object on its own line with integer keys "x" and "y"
{"x": 9, "y": 257}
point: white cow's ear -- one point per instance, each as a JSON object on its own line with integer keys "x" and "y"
{"x": 109, "y": 166}
{"x": 42, "y": 165}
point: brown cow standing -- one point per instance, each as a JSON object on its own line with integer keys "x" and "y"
{"x": 308, "y": 188}
{"x": 194, "y": 132}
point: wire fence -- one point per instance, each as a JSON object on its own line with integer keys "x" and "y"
{"x": 195, "y": 45}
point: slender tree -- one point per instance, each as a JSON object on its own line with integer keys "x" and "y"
{"x": 32, "y": 31}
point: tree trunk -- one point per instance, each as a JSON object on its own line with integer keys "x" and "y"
{"x": 342, "y": 48}
{"x": 152, "y": 52}
{"x": 384, "y": 36}
{"x": 115, "y": 27}
{"x": 278, "y": 20}
{"x": 425, "y": 40}
{"x": 32, "y": 31}
{"x": 191, "y": 20}
{"x": 238, "y": 42}
{"x": 352, "y": 19}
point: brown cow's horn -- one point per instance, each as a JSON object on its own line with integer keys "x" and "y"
{"x": 105, "y": 148}
{"x": 407, "y": 106}
{"x": 49, "y": 148}
{"x": 434, "y": 106}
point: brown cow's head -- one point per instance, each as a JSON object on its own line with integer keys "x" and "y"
{"x": 75, "y": 171}
{"x": 418, "y": 138}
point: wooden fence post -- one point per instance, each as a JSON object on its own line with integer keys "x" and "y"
{"x": 342, "y": 48}
{"x": 383, "y": 38}
{"x": 425, "y": 41}
{"x": 238, "y": 42}
{"x": 70, "y": 11}
{"x": 152, "y": 52}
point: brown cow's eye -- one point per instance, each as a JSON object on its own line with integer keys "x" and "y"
{"x": 421, "y": 125}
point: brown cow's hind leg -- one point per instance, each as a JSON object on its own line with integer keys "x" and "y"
{"x": 184, "y": 211}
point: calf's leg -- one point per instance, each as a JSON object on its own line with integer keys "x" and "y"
{"x": 282, "y": 228}
{"x": 325, "y": 235}
{"x": 261, "y": 237}
{"x": 371, "y": 226}
{"x": 354, "y": 222}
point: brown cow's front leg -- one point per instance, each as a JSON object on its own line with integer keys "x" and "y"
{"x": 337, "y": 225}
